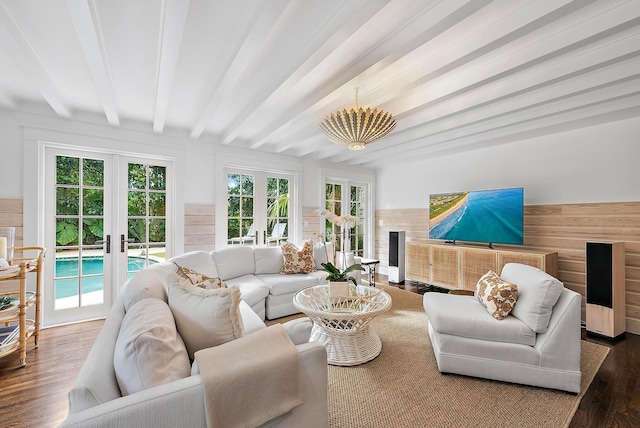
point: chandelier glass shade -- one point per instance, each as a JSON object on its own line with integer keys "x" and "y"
{"x": 357, "y": 126}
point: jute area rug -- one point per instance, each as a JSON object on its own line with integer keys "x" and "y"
{"x": 402, "y": 387}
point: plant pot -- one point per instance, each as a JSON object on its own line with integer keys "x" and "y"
{"x": 337, "y": 289}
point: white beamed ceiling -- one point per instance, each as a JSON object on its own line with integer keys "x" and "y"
{"x": 458, "y": 75}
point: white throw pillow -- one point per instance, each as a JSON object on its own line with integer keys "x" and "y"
{"x": 538, "y": 292}
{"x": 149, "y": 351}
{"x": 206, "y": 318}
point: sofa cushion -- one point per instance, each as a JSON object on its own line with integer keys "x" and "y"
{"x": 299, "y": 330}
{"x": 205, "y": 318}
{"x": 250, "y": 320}
{"x": 233, "y": 262}
{"x": 323, "y": 253}
{"x": 149, "y": 282}
{"x": 538, "y": 292}
{"x": 148, "y": 350}
{"x": 198, "y": 261}
{"x": 252, "y": 289}
{"x": 298, "y": 260}
{"x": 463, "y": 316}
{"x": 496, "y": 295}
{"x": 286, "y": 284}
{"x": 268, "y": 260}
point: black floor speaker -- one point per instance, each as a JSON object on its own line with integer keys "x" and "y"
{"x": 605, "y": 284}
{"x": 396, "y": 257}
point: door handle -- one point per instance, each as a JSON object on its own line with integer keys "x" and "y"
{"x": 264, "y": 237}
{"x": 107, "y": 241}
{"x": 122, "y": 241}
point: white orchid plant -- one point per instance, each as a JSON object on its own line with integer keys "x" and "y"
{"x": 342, "y": 221}
{"x": 339, "y": 220}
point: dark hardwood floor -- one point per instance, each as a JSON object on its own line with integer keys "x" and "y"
{"x": 36, "y": 395}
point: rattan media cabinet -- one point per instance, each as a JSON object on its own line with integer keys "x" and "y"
{"x": 461, "y": 266}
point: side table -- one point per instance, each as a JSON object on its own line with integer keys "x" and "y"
{"x": 371, "y": 266}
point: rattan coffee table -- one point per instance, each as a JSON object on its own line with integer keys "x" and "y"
{"x": 341, "y": 323}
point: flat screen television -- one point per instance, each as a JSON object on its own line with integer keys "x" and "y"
{"x": 485, "y": 216}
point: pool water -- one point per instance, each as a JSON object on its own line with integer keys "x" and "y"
{"x": 67, "y": 274}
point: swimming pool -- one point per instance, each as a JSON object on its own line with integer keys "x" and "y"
{"x": 92, "y": 274}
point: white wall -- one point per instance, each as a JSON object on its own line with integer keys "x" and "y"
{"x": 594, "y": 164}
{"x": 11, "y": 153}
{"x": 198, "y": 163}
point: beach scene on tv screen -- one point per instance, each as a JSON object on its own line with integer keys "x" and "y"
{"x": 492, "y": 216}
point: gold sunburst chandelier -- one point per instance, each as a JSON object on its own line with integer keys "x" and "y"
{"x": 357, "y": 127}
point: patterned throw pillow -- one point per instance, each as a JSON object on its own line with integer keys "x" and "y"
{"x": 187, "y": 276}
{"x": 497, "y": 295}
{"x": 298, "y": 260}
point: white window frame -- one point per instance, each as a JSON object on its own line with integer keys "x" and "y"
{"x": 369, "y": 243}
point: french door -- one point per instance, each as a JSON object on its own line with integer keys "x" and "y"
{"x": 106, "y": 217}
{"x": 258, "y": 208}
{"x": 347, "y": 199}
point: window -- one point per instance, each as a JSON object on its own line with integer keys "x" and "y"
{"x": 258, "y": 208}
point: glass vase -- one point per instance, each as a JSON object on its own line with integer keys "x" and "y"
{"x": 7, "y": 242}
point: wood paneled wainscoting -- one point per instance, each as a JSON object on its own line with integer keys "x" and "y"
{"x": 11, "y": 216}
{"x": 563, "y": 228}
{"x": 199, "y": 227}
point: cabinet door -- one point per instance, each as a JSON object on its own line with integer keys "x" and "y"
{"x": 444, "y": 266}
{"x": 475, "y": 263}
{"x": 535, "y": 260}
{"x": 418, "y": 262}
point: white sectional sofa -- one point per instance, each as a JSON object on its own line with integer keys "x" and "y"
{"x": 256, "y": 272}
{"x": 96, "y": 399}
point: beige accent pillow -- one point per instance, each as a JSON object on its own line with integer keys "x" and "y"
{"x": 206, "y": 318}
{"x": 191, "y": 277}
{"x": 298, "y": 260}
{"x": 149, "y": 351}
{"x": 497, "y": 295}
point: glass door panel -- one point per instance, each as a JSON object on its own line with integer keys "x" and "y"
{"x": 277, "y": 210}
{"x": 342, "y": 199}
{"x": 240, "y": 215}
{"x": 79, "y": 275}
{"x": 146, "y": 238}
{"x": 333, "y": 203}
{"x": 357, "y": 204}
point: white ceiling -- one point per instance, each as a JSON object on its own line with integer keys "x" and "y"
{"x": 260, "y": 74}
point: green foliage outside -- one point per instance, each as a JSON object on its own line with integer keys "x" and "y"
{"x": 240, "y": 203}
{"x": 147, "y": 191}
